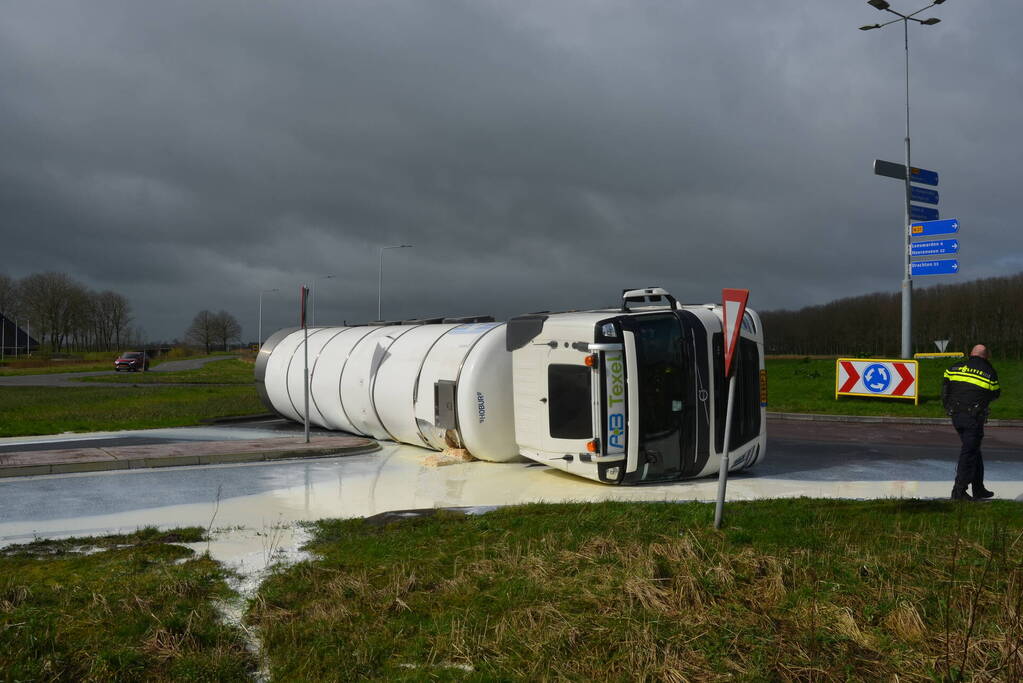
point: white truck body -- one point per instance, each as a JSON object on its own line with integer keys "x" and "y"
{"x": 620, "y": 396}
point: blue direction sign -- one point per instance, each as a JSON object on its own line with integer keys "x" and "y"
{"x": 920, "y": 194}
{"x": 890, "y": 169}
{"x": 948, "y": 266}
{"x": 934, "y": 248}
{"x": 922, "y": 213}
{"x": 948, "y": 226}
{"x": 922, "y": 175}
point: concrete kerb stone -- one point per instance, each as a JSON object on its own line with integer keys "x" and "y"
{"x": 184, "y": 460}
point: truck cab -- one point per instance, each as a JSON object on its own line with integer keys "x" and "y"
{"x": 635, "y": 394}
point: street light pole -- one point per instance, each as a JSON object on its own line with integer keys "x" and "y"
{"x": 312, "y": 298}
{"x": 259, "y": 333}
{"x": 907, "y": 277}
{"x": 380, "y": 273}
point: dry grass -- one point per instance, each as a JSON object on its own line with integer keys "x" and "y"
{"x": 132, "y": 607}
{"x": 650, "y": 592}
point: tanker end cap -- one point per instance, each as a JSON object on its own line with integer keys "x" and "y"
{"x": 263, "y": 357}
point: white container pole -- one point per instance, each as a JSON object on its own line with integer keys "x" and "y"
{"x": 723, "y": 472}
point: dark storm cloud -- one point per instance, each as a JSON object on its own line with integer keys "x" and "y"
{"x": 537, "y": 154}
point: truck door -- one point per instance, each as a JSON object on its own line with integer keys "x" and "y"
{"x": 572, "y": 400}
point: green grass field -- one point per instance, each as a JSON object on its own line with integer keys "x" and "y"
{"x": 790, "y": 590}
{"x": 231, "y": 371}
{"x": 808, "y": 386}
{"x": 117, "y": 608}
{"x": 52, "y": 410}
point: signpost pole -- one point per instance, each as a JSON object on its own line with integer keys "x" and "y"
{"x": 733, "y": 308}
{"x": 719, "y": 509}
{"x": 305, "y": 347}
{"x": 907, "y": 281}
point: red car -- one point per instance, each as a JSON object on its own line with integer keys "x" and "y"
{"x": 133, "y": 361}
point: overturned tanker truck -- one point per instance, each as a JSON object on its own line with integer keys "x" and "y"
{"x": 621, "y": 396}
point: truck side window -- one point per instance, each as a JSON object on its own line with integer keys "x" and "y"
{"x": 569, "y": 401}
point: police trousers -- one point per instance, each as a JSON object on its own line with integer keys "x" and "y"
{"x": 970, "y": 469}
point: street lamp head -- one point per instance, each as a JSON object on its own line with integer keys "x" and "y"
{"x": 930, "y": 22}
{"x": 868, "y": 28}
{"x": 405, "y": 245}
{"x": 879, "y": 4}
{"x": 938, "y": 2}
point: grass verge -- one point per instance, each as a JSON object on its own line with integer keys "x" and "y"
{"x": 131, "y": 607}
{"x": 52, "y": 410}
{"x": 805, "y": 385}
{"x": 231, "y": 371}
{"x": 790, "y": 590}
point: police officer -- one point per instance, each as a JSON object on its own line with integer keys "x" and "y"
{"x": 969, "y": 387}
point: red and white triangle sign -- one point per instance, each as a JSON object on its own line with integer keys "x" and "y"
{"x": 733, "y": 306}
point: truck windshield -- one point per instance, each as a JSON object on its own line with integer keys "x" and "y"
{"x": 662, "y": 373}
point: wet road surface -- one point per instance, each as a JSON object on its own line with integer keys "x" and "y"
{"x": 837, "y": 460}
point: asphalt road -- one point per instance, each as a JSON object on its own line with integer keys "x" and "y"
{"x": 70, "y": 379}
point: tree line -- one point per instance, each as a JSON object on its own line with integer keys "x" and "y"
{"x": 209, "y": 329}
{"x": 978, "y": 312}
{"x": 64, "y": 314}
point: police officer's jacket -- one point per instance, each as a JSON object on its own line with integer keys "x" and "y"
{"x": 969, "y": 386}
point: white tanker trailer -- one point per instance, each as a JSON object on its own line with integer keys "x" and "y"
{"x": 621, "y": 396}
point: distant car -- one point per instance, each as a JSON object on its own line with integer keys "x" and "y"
{"x": 133, "y": 361}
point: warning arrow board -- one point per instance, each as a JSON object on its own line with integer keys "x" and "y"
{"x": 877, "y": 378}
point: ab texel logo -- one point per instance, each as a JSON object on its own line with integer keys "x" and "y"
{"x": 877, "y": 378}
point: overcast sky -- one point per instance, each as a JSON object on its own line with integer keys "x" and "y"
{"x": 538, "y": 154}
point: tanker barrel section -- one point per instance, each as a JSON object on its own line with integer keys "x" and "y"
{"x": 424, "y": 382}
{"x": 471, "y": 319}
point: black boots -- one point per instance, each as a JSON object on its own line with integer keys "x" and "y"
{"x": 979, "y": 493}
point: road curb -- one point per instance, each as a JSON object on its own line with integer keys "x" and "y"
{"x": 877, "y": 419}
{"x": 103, "y": 465}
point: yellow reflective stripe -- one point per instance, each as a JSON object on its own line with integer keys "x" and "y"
{"x": 981, "y": 382}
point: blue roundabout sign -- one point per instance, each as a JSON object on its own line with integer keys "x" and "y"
{"x": 877, "y": 378}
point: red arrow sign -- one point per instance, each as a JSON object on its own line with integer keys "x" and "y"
{"x": 907, "y": 379}
{"x": 850, "y": 371}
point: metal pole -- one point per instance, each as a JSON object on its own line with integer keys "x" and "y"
{"x": 16, "y": 330}
{"x": 305, "y": 345}
{"x": 907, "y": 281}
{"x": 725, "y": 460}
{"x": 380, "y": 280}
{"x": 259, "y": 325}
{"x": 28, "y": 336}
{"x": 3, "y": 335}
{"x": 306, "y": 378}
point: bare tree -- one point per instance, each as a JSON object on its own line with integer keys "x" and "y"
{"x": 8, "y": 294}
{"x": 113, "y": 317}
{"x": 48, "y": 300}
{"x": 226, "y": 329}
{"x": 202, "y": 331}
{"x": 8, "y": 309}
